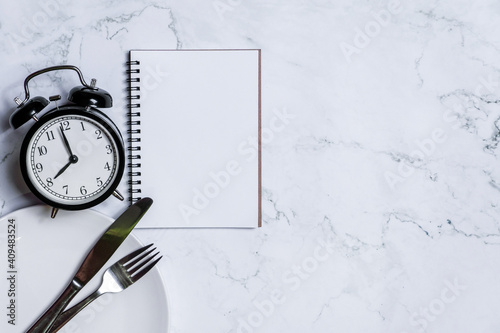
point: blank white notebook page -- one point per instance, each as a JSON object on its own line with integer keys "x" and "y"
{"x": 199, "y": 136}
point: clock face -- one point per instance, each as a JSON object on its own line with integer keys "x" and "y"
{"x": 72, "y": 161}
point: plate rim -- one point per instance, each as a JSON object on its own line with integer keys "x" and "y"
{"x": 165, "y": 318}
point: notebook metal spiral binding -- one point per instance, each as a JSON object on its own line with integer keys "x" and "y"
{"x": 134, "y": 140}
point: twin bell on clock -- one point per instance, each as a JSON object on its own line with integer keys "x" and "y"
{"x": 73, "y": 156}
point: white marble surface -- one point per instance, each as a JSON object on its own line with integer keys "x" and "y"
{"x": 380, "y": 195}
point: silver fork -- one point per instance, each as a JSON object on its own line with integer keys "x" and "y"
{"x": 116, "y": 278}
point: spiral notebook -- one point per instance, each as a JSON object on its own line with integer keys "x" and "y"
{"x": 195, "y": 137}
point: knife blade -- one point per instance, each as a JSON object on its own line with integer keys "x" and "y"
{"x": 102, "y": 250}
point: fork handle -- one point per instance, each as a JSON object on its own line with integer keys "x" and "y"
{"x": 67, "y": 315}
{"x": 43, "y": 324}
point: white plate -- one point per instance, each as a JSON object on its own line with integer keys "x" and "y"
{"x": 47, "y": 254}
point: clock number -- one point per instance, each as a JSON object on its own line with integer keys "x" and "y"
{"x": 66, "y": 188}
{"x": 42, "y": 150}
{"x": 107, "y": 167}
{"x": 39, "y": 167}
{"x": 65, "y": 125}
{"x": 83, "y": 126}
{"x": 49, "y": 182}
{"x": 109, "y": 149}
{"x": 99, "y": 181}
{"x": 83, "y": 190}
{"x": 50, "y": 135}
{"x": 99, "y": 134}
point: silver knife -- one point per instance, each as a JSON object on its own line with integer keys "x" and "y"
{"x": 96, "y": 258}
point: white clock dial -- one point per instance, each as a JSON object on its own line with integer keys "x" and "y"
{"x": 72, "y": 159}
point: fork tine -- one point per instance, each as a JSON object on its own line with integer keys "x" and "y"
{"x": 132, "y": 255}
{"x": 133, "y": 262}
{"x": 134, "y": 269}
{"x": 146, "y": 269}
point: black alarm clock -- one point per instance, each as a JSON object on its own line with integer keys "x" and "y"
{"x": 73, "y": 157}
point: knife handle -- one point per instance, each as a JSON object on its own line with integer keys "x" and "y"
{"x": 45, "y": 322}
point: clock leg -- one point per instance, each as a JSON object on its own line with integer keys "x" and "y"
{"x": 118, "y": 195}
{"x": 54, "y": 212}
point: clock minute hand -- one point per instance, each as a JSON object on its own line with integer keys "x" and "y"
{"x": 65, "y": 140}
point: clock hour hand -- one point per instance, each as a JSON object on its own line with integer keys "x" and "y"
{"x": 62, "y": 170}
{"x": 65, "y": 140}
{"x": 72, "y": 160}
